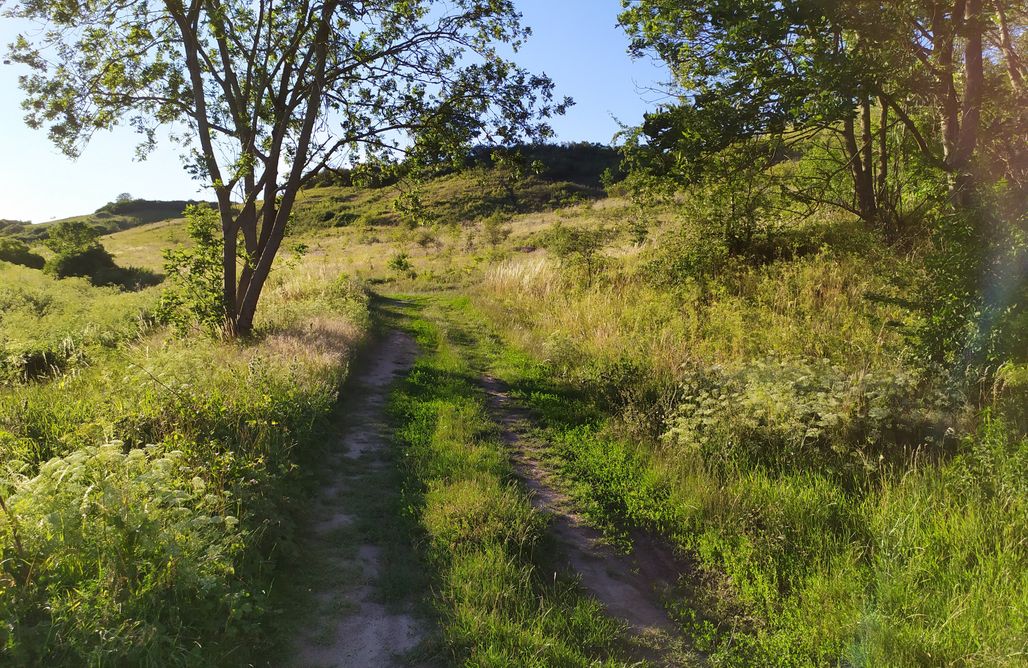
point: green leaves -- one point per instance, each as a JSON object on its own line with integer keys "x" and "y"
{"x": 194, "y": 296}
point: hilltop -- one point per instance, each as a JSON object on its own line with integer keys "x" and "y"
{"x": 111, "y": 217}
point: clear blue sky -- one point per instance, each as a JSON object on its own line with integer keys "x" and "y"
{"x": 575, "y": 42}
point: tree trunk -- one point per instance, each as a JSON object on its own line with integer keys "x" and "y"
{"x": 1015, "y": 68}
{"x": 863, "y": 181}
{"x": 228, "y": 266}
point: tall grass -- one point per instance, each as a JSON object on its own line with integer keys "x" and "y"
{"x": 48, "y": 326}
{"x": 844, "y": 506}
{"x": 148, "y": 491}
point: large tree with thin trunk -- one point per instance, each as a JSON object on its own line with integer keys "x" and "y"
{"x": 265, "y": 93}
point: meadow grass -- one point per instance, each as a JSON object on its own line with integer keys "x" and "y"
{"x": 844, "y": 504}
{"x": 49, "y": 326}
{"x": 770, "y": 426}
{"x": 150, "y": 486}
{"x": 498, "y": 601}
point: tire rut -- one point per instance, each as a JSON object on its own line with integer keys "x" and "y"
{"x": 354, "y": 627}
{"x": 631, "y": 587}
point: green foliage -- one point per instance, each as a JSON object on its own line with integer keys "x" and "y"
{"x": 400, "y": 263}
{"x": 578, "y": 247}
{"x": 412, "y": 210}
{"x": 21, "y": 230}
{"x": 17, "y": 252}
{"x": 162, "y": 547}
{"x": 78, "y": 252}
{"x": 49, "y": 326}
{"x": 810, "y": 568}
{"x": 195, "y": 296}
{"x": 89, "y": 261}
{"x": 160, "y": 554}
{"x": 72, "y": 237}
{"x": 972, "y": 298}
{"x": 796, "y": 414}
{"x": 496, "y": 228}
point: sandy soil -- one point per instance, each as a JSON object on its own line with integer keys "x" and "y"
{"x": 357, "y": 629}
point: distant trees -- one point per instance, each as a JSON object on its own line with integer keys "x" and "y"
{"x": 272, "y": 92}
{"x": 78, "y": 252}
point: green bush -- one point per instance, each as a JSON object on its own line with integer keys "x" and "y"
{"x": 157, "y": 549}
{"x": 135, "y": 556}
{"x": 793, "y": 414}
{"x": 194, "y": 296}
{"x": 971, "y": 300}
{"x": 83, "y": 262}
{"x": 17, "y": 252}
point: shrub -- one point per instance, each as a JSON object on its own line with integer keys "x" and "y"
{"x": 115, "y": 556}
{"x": 86, "y": 262}
{"x": 972, "y": 297}
{"x": 195, "y": 275}
{"x": 496, "y": 228}
{"x": 17, "y": 252}
{"x": 578, "y": 247}
{"x": 791, "y": 414}
{"x": 400, "y": 263}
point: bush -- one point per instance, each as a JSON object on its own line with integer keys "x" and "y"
{"x": 84, "y": 262}
{"x": 160, "y": 547}
{"x": 578, "y": 247}
{"x": 17, "y": 252}
{"x": 400, "y": 263}
{"x": 792, "y": 414}
{"x": 194, "y": 296}
{"x": 971, "y": 299}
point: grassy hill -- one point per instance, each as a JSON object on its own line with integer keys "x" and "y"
{"x": 111, "y": 217}
{"x": 769, "y": 413}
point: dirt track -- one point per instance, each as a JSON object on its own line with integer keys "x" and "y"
{"x": 631, "y": 587}
{"x": 354, "y": 627}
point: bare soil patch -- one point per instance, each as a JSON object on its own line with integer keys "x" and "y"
{"x": 353, "y": 626}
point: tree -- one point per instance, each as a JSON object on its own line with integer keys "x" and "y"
{"x": 850, "y": 70}
{"x": 273, "y": 92}
{"x": 72, "y": 236}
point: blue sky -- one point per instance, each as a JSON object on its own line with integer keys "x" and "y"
{"x": 575, "y": 42}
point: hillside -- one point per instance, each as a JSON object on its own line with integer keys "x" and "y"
{"x": 111, "y": 217}
{"x": 755, "y": 430}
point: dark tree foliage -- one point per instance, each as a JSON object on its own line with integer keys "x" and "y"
{"x": 850, "y": 71}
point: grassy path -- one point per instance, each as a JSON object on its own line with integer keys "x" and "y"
{"x": 360, "y": 576}
{"x": 435, "y": 493}
{"x": 521, "y": 579}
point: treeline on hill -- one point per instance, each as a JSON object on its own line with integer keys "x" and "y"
{"x": 583, "y": 163}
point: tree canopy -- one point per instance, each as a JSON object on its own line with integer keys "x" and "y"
{"x": 941, "y": 71}
{"x": 264, "y": 94}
